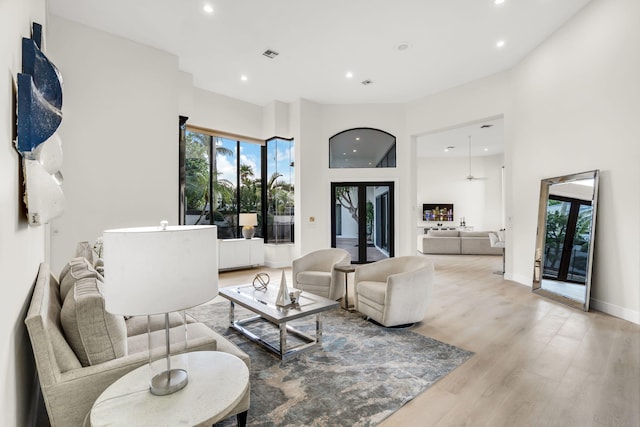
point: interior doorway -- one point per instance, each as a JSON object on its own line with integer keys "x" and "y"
{"x": 362, "y": 219}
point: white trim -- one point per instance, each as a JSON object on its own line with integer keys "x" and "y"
{"x": 519, "y": 279}
{"x": 616, "y": 311}
{"x": 605, "y": 307}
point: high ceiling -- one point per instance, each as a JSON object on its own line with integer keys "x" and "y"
{"x": 447, "y": 42}
{"x": 485, "y": 138}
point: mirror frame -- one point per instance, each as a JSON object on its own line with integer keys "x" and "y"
{"x": 545, "y": 184}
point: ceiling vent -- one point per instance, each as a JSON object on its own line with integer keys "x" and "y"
{"x": 366, "y": 82}
{"x": 270, "y": 53}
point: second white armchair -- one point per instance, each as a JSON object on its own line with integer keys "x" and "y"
{"x": 394, "y": 291}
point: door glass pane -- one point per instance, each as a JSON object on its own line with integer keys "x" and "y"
{"x": 197, "y": 178}
{"x": 363, "y": 223}
{"x": 225, "y": 208}
{"x": 378, "y": 223}
{"x": 557, "y": 219}
{"x": 580, "y": 250}
{"x": 347, "y": 216}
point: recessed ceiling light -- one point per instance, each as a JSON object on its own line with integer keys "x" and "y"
{"x": 500, "y": 43}
{"x": 498, "y": 2}
{"x": 446, "y": 150}
{"x": 344, "y": 154}
{"x": 207, "y": 8}
{"x": 244, "y": 78}
{"x": 486, "y": 149}
{"x": 349, "y": 74}
{"x": 355, "y": 151}
{"x": 357, "y": 138}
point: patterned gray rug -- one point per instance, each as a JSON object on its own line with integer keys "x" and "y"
{"x": 361, "y": 375}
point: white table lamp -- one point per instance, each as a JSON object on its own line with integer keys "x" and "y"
{"x": 248, "y": 221}
{"x": 158, "y": 270}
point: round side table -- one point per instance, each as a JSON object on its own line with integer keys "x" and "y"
{"x": 346, "y": 269}
{"x": 217, "y": 383}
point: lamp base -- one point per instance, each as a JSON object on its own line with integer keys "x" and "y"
{"x": 168, "y": 382}
{"x": 248, "y": 233}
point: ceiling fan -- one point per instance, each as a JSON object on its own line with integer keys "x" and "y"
{"x": 470, "y": 177}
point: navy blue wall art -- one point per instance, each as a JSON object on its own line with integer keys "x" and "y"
{"x": 39, "y": 116}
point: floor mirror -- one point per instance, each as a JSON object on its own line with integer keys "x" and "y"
{"x": 566, "y": 233}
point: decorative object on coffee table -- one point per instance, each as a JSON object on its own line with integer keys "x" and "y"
{"x": 158, "y": 270}
{"x": 248, "y": 221}
{"x": 283, "y": 299}
{"x": 260, "y": 281}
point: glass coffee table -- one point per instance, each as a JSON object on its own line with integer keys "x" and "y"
{"x": 262, "y": 303}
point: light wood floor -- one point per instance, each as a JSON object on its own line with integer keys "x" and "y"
{"x": 536, "y": 362}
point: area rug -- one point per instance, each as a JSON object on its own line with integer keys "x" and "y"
{"x": 361, "y": 375}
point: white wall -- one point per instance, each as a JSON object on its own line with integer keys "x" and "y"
{"x": 443, "y": 180}
{"x": 577, "y": 102}
{"x": 22, "y": 247}
{"x": 570, "y": 106}
{"x": 389, "y": 118}
{"x": 119, "y": 132}
{"x": 213, "y": 111}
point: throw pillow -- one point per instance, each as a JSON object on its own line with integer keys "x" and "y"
{"x": 79, "y": 268}
{"x": 94, "y": 334}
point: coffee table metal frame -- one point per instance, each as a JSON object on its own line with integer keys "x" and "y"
{"x": 263, "y": 304}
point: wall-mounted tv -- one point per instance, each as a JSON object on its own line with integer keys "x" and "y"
{"x": 437, "y": 212}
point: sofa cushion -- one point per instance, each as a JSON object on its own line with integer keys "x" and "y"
{"x": 95, "y": 335}
{"x": 77, "y": 268}
{"x": 474, "y": 234}
{"x": 443, "y": 233}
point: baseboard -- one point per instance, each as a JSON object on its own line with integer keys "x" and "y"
{"x": 605, "y": 307}
{"x": 519, "y": 279}
{"x": 272, "y": 264}
{"x": 616, "y": 311}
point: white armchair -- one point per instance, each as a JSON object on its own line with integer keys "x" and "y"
{"x": 394, "y": 291}
{"x": 314, "y": 272}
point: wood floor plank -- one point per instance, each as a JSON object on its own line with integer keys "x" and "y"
{"x": 537, "y": 362}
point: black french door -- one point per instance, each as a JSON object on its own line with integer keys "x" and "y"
{"x": 362, "y": 219}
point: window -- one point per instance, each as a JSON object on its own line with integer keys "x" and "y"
{"x": 218, "y": 187}
{"x": 222, "y": 176}
{"x": 279, "y": 177}
{"x": 362, "y": 148}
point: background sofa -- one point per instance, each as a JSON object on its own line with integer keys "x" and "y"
{"x": 457, "y": 242}
{"x": 77, "y": 362}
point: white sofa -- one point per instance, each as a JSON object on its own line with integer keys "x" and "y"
{"x": 71, "y": 379}
{"x": 457, "y": 243}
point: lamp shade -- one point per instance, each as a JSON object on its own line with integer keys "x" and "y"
{"x": 250, "y": 219}
{"x": 153, "y": 270}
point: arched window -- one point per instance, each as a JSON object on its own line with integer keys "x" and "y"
{"x": 362, "y": 148}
